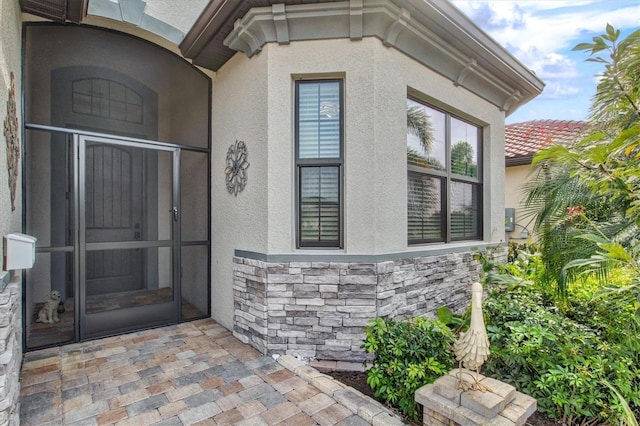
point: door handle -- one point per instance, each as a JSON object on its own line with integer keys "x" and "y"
{"x": 174, "y": 210}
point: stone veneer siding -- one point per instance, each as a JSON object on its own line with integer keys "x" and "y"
{"x": 319, "y": 309}
{"x": 10, "y": 352}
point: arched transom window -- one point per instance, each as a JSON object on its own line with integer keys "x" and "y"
{"x": 107, "y": 99}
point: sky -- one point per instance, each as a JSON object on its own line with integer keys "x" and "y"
{"x": 541, "y": 34}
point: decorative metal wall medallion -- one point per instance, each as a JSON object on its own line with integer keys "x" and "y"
{"x": 236, "y": 170}
{"x": 13, "y": 141}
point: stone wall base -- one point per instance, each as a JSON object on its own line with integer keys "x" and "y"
{"x": 320, "y": 309}
{"x": 10, "y": 352}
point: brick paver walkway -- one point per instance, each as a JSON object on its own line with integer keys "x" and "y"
{"x": 191, "y": 373}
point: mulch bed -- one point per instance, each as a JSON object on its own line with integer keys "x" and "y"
{"x": 355, "y": 379}
{"x": 358, "y": 381}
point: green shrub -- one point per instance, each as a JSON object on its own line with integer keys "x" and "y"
{"x": 564, "y": 362}
{"x": 407, "y": 355}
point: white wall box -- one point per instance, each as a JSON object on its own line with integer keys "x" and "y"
{"x": 19, "y": 251}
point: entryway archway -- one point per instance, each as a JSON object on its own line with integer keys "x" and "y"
{"x": 115, "y": 126}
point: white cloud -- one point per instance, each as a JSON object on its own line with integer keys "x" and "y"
{"x": 540, "y": 34}
{"x": 548, "y": 26}
{"x": 549, "y": 65}
{"x": 559, "y": 90}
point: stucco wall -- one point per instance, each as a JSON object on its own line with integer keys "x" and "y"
{"x": 179, "y": 17}
{"x": 254, "y": 99}
{"x": 239, "y": 112}
{"x": 515, "y": 178}
{"x": 10, "y": 45}
{"x": 376, "y": 83}
{"x": 10, "y": 221}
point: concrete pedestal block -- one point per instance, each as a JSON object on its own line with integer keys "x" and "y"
{"x": 445, "y": 405}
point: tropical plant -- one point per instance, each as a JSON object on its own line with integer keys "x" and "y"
{"x": 407, "y": 355}
{"x": 615, "y": 105}
{"x": 596, "y": 176}
{"x": 629, "y": 418}
{"x": 562, "y": 361}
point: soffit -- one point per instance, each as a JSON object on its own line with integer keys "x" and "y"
{"x": 204, "y": 43}
{"x": 433, "y": 32}
{"x": 56, "y": 10}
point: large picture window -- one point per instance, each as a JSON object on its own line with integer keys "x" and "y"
{"x": 319, "y": 162}
{"x": 444, "y": 182}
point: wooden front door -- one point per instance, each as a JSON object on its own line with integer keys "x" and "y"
{"x": 114, "y": 212}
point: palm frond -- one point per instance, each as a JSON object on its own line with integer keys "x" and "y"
{"x": 418, "y": 124}
{"x": 629, "y": 418}
{"x": 551, "y": 192}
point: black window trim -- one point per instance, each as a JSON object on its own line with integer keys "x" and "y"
{"x": 448, "y": 177}
{"x": 301, "y": 163}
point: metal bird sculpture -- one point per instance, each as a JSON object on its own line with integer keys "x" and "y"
{"x": 472, "y": 347}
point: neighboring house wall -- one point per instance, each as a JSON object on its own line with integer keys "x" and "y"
{"x": 514, "y": 196}
{"x": 10, "y": 221}
{"x": 522, "y": 142}
{"x": 316, "y": 302}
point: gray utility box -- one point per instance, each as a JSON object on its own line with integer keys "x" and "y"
{"x": 509, "y": 219}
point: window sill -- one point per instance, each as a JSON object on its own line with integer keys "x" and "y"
{"x": 339, "y": 255}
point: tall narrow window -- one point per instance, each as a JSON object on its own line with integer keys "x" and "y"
{"x": 319, "y": 162}
{"x": 444, "y": 182}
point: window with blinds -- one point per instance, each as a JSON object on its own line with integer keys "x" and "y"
{"x": 319, "y": 155}
{"x": 444, "y": 183}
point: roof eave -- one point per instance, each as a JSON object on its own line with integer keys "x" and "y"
{"x": 488, "y": 50}
{"x": 435, "y": 33}
{"x": 519, "y": 160}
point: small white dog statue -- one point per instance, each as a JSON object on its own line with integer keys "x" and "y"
{"x": 49, "y": 312}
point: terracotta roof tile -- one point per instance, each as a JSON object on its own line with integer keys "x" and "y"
{"x": 529, "y": 137}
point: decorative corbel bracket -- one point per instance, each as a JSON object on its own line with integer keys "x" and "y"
{"x": 470, "y": 67}
{"x": 401, "y": 22}
{"x": 243, "y": 40}
{"x": 515, "y": 97}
